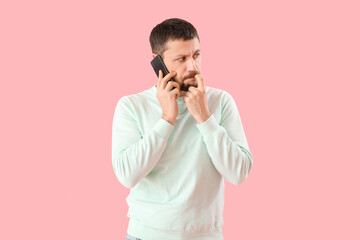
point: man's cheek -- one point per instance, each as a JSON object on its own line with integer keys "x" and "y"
{"x": 178, "y": 79}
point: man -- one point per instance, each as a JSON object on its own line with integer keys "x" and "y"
{"x": 175, "y": 143}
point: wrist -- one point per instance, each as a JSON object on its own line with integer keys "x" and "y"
{"x": 203, "y": 118}
{"x": 169, "y": 120}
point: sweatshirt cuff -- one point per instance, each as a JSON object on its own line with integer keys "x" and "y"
{"x": 163, "y": 128}
{"x": 209, "y": 128}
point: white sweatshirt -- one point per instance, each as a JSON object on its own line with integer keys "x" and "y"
{"x": 176, "y": 172}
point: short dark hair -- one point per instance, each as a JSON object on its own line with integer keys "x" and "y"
{"x": 170, "y": 29}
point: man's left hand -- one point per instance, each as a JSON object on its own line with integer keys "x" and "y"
{"x": 197, "y": 102}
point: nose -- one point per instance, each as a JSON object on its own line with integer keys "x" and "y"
{"x": 191, "y": 65}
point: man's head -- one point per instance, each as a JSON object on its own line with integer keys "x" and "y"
{"x": 178, "y": 43}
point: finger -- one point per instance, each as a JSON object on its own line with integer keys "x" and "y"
{"x": 160, "y": 77}
{"x": 176, "y": 92}
{"x": 187, "y": 94}
{"x": 192, "y": 89}
{"x": 186, "y": 98}
{"x": 171, "y": 84}
{"x": 201, "y": 84}
{"x": 164, "y": 81}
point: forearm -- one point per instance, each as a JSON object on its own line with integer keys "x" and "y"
{"x": 134, "y": 162}
{"x": 231, "y": 159}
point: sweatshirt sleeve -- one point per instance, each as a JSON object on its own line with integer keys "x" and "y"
{"x": 226, "y": 143}
{"x": 134, "y": 155}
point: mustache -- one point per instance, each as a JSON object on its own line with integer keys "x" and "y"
{"x": 191, "y": 75}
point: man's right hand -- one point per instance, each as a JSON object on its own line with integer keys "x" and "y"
{"x": 167, "y": 96}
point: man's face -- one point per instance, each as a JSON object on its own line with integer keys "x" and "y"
{"x": 184, "y": 58}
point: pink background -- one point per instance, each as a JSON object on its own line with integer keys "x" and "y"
{"x": 291, "y": 66}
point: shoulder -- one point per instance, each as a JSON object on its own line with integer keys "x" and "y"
{"x": 138, "y": 98}
{"x": 218, "y": 99}
{"x": 219, "y": 94}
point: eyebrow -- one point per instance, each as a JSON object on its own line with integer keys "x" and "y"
{"x": 184, "y": 55}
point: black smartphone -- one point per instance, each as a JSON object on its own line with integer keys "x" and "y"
{"x": 158, "y": 64}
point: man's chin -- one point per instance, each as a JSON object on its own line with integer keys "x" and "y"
{"x": 185, "y": 88}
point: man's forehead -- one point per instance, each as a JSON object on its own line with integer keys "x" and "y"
{"x": 181, "y": 47}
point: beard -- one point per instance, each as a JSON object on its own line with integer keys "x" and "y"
{"x": 185, "y": 87}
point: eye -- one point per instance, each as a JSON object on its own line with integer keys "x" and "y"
{"x": 183, "y": 58}
{"x": 197, "y": 54}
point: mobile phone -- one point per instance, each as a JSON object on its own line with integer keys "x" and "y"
{"x": 158, "y": 64}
